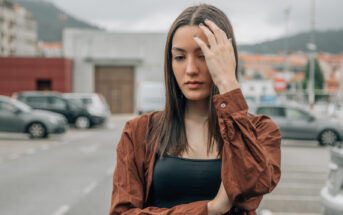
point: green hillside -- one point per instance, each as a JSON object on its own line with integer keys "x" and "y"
{"x": 328, "y": 41}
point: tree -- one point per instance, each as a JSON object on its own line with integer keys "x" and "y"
{"x": 319, "y": 81}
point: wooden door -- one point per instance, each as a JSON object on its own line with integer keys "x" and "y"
{"x": 117, "y": 86}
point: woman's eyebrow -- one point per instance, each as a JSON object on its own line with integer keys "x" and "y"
{"x": 178, "y": 49}
{"x": 182, "y": 50}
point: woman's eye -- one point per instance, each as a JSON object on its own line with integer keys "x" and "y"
{"x": 178, "y": 58}
{"x": 202, "y": 57}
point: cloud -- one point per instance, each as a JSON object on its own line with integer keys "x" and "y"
{"x": 253, "y": 20}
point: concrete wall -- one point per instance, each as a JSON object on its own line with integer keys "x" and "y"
{"x": 89, "y": 48}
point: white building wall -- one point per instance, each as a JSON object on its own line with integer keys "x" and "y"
{"x": 26, "y": 33}
{"x": 89, "y": 48}
{"x": 7, "y": 28}
{"x": 255, "y": 89}
{"x": 144, "y": 51}
{"x": 18, "y": 30}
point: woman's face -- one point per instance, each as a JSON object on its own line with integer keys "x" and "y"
{"x": 189, "y": 65}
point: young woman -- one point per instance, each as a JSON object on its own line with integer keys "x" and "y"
{"x": 203, "y": 154}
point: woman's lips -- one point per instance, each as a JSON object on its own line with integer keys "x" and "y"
{"x": 194, "y": 85}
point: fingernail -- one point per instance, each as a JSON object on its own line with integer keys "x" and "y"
{"x": 194, "y": 35}
{"x": 206, "y": 20}
{"x": 201, "y": 24}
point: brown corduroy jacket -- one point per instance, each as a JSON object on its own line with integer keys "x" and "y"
{"x": 250, "y": 162}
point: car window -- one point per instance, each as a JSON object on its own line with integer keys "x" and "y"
{"x": 293, "y": 113}
{"x": 38, "y": 101}
{"x": 272, "y": 111}
{"x": 74, "y": 104}
{"x": 22, "y": 106}
{"x": 57, "y": 103}
{"x": 7, "y": 107}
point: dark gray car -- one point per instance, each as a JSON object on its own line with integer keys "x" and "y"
{"x": 16, "y": 116}
{"x": 298, "y": 123}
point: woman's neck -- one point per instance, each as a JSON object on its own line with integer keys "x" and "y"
{"x": 196, "y": 110}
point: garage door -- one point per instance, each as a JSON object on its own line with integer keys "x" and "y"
{"x": 117, "y": 85}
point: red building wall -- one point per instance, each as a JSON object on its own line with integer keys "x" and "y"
{"x": 19, "y": 74}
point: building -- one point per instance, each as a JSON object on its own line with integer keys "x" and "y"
{"x": 18, "y": 30}
{"x": 21, "y": 74}
{"x": 114, "y": 64}
{"x": 45, "y": 49}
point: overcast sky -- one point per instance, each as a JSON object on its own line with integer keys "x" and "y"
{"x": 253, "y": 20}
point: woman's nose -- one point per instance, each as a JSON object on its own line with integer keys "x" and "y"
{"x": 191, "y": 67}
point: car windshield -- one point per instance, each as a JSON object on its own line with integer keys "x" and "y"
{"x": 22, "y": 106}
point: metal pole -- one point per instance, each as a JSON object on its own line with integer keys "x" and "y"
{"x": 312, "y": 58}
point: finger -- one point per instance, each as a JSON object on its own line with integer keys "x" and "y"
{"x": 219, "y": 33}
{"x": 205, "y": 49}
{"x": 210, "y": 36}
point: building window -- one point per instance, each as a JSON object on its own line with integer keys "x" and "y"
{"x": 44, "y": 84}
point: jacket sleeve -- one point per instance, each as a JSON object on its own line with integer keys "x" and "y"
{"x": 129, "y": 183}
{"x": 251, "y": 152}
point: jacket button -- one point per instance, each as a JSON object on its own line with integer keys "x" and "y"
{"x": 223, "y": 105}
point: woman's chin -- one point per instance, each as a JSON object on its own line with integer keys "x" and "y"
{"x": 193, "y": 97}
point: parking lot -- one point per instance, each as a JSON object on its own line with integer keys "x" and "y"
{"x": 72, "y": 174}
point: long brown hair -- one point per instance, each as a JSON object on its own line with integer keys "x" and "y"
{"x": 168, "y": 126}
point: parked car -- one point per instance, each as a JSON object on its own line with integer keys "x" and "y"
{"x": 151, "y": 96}
{"x": 55, "y": 102}
{"x": 296, "y": 122}
{"x": 16, "y": 116}
{"x": 95, "y": 104}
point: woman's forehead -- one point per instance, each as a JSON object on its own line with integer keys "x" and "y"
{"x": 183, "y": 38}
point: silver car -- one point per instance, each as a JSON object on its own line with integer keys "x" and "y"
{"x": 298, "y": 123}
{"x": 16, "y": 116}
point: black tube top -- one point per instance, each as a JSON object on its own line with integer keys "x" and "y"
{"x": 181, "y": 180}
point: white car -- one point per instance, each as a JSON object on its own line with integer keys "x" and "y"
{"x": 95, "y": 104}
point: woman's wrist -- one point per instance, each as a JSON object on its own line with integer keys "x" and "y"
{"x": 212, "y": 209}
{"x": 226, "y": 86}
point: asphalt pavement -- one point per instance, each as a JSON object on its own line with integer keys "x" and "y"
{"x": 71, "y": 174}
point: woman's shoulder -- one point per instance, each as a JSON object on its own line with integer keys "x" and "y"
{"x": 138, "y": 126}
{"x": 144, "y": 119}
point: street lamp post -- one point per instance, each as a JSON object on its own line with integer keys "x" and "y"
{"x": 312, "y": 47}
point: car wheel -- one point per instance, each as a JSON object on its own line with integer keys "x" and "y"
{"x": 37, "y": 130}
{"x": 82, "y": 122}
{"x": 328, "y": 138}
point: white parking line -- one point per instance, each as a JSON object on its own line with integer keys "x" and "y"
{"x": 62, "y": 210}
{"x": 90, "y": 187}
{"x": 291, "y": 198}
{"x": 30, "y": 151}
{"x": 65, "y": 142}
{"x": 44, "y": 147}
{"x": 304, "y": 176}
{"x": 295, "y": 213}
{"x": 14, "y": 156}
{"x": 301, "y": 186}
{"x": 302, "y": 169}
{"x": 89, "y": 149}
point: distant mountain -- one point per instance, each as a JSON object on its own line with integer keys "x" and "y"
{"x": 327, "y": 41}
{"x": 51, "y": 20}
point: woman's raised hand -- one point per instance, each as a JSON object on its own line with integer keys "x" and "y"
{"x": 220, "y": 57}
